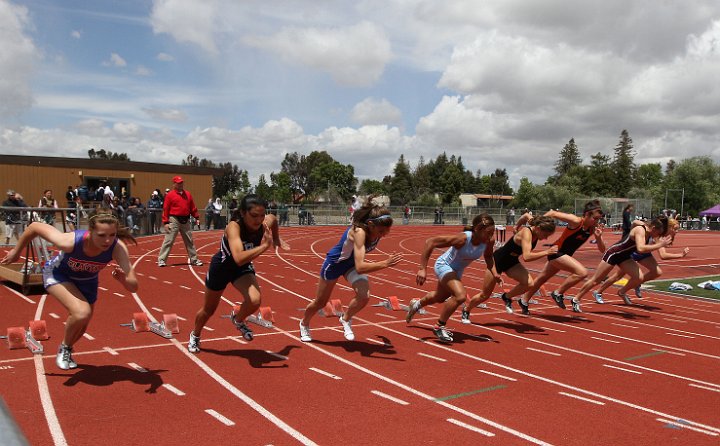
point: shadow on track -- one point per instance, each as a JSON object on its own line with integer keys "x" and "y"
{"x": 258, "y": 359}
{"x": 365, "y": 349}
{"x": 107, "y": 375}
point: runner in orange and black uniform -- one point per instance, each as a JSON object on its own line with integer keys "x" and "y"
{"x": 507, "y": 260}
{"x": 577, "y": 232}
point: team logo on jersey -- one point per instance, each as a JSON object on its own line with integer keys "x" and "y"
{"x": 84, "y": 266}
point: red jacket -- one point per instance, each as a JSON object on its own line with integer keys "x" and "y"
{"x": 178, "y": 204}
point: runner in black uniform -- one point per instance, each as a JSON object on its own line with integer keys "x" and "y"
{"x": 249, "y": 233}
{"x": 507, "y": 260}
{"x": 576, "y": 233}
{"x": 620, "y": 254}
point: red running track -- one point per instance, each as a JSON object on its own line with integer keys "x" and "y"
{"x": 616, "y": 374}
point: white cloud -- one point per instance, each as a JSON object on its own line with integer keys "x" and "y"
{"x": 75, "y": 34}
{"x": 166, "y": 114}
{"x": 353, "y": 56}
{"x": 165, "y": 57}
{"x": 115, "y": 60}
{"x": 142, "y": 70}
{"x": 18, "y": 56}
{"x": 187, "y": 21}
{"x": 371, "y": 111}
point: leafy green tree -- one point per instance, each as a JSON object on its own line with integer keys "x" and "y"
{"x": 401, "y": 187}
{"x": 281, "y": 185}
{"x": 372, "y": 187}
{"x": 230, "y": 182}
{"x": 623, "y": 165}
{"x": 339, "y": 180}
{"x": 263, "y": 189}
{"x": 295, "y": 166}
{"x": 699, "y": 177}
{"x": 599, "y": 172}
{"x": 452, "y": 181}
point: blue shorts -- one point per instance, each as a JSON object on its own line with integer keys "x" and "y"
{"x": 638, "y": 256}
{"x": 333, "y": 271}
{"x": 442, "y": 268}
{"x": 220, "y": 274}
{"x": 88, "y": 287}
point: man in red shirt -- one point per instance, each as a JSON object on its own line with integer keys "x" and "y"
{"x": 177, "y": 210}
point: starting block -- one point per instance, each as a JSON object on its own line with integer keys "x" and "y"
{"x": 392, "y": 303}
{"x": 263, "y": 318}
{"x": 332, "y": 308}
{"x": 20, "y": 337}
{"x": 166, "y": 328}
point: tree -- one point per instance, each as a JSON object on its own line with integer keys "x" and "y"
{"x": 339, "y": 180}
{"x": 623, "y": 165}
{"x": 699, "y": 176}
{"x": 569, "y": 158}
{"x": 372, "y": 187}
{"x": 401, "y": 187}
{"x": 231, "y": 182}
{"x": 263, "y": 189}
{"x": 295, "y": 166}
{"x": 107, "y": 155}
{"x": 599, "y": 172}
{"x": 281, "y": 186}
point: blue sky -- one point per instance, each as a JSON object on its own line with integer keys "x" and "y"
{"x": 502, "y": 83}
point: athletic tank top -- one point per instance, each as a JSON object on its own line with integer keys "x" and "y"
{"x": 249, "y": 239}
{"x": 625, "y": 244}
{"x": 572, "y": 239}
{"x": 79, "y": 266}
{"x": 458, "y": 259}
{"x": 343, "y": 250}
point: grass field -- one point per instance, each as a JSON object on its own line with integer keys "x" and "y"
{"x": 662, "y": 285}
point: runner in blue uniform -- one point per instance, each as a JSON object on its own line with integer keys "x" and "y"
{"x": 620, "y": 254}
{"x": 250, "y": 233}
{"x": 475, "y": 241}
{"x": 72, "y": 275}
{"x": 347, "y": 259}
{"x": 507, "y": 260}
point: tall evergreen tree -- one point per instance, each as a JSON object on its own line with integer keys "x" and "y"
{"x": 401, "y": 187}
{"x": 623, "y": 165}
{"x": 569, "y": 158}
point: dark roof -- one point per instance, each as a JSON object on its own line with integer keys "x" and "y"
{"x": 87, "y": 163}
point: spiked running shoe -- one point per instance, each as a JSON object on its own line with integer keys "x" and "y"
{"x": 598, "y": 297}
{"x": 508, "y": 303}
{"x": 465, "y": 316}
{"x": 305, "y": 333}
{"x": 347, "y": 329}
{"x": 576, "y": 306}
{"x": 638, "y": 291}
{"x": 194, "y": 343}
{"x": 442, "y": 333}
{"x": 246, "y": 332}
{"x": 64, "y": 358}
{"x": 524, "y": 307}
{"x": 412, "y": 309}
{"x": 559, "y": 299}
{"x": 625, "y": 298}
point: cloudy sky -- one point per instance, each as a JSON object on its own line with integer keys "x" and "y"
{"x": 502, "y": 83}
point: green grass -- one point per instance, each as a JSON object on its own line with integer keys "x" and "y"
{"x": 662, "y": 285}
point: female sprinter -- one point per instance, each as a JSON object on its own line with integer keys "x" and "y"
{"x": 576, "y": 233}
{"x": 250, "y": 233}
{"x": 347, "y": 259}
{"x": 620, "y": 254}
{"x": 647, "y": 260}
{"x": 507, "y": 260}
{"x": 72, "y": 275}
{"x": 469, "y": 245}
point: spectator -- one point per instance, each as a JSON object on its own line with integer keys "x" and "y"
{"x": 154, "y": 209}
{"x": 177, "y": 210}
{"x": 283, "y": 214}
{"x": 209, "y": 209}
{"x": 47, "y": 201}
{"x": 511, "y": 217}
{"x": 70, "y": 197}
{"x": 302, "y": 214}
{"x": 135, "y": 214}
{"x": 13, "y": 219}
{"x": 627, "y": 219}
{"x": 406, "y": 214}
{"x": 217, "y": 209}
{"x": 232, "y": 206}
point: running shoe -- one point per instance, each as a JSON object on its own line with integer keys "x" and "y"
{"x": 465, "y": 316}
{"x": 638, "y": 291}
{"x": 625, "y": 298}
{"x": 525, "y": 308}
{"x": 196, "y": 262}
{"x": 246, "y": 332}
{"x": 194, "y": 343}
{"x": 64, "y": 358}
{"x": 508, "y": 303}
{"x": 347, "y": 329}
{"x": 576, "y": 306}
{"x": 161, "y": 263}
{"x": 305, "y": 333}
{"x": 559, "y": 299}
{"x": 412, "y": 309}
{"x": 598, "y": 297}
{"x": 442, "y": 333}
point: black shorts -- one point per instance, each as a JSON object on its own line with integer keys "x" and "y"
{"x": 616, "y": 258}
{"x": 504, "y": 264}
{"x": 220, "y": 273}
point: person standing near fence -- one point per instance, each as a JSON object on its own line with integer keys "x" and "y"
{"x": 627, "y": 219}
{"x": 177, "y": 210}
{"x": 48, "y": 201}
{"x": 13, "y": 219}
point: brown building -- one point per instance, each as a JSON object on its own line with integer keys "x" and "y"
{"x": 31, "y": 175}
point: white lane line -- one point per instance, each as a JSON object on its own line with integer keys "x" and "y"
{"x": 54, "y": 316}
{"x": 167, "y": 282}
{"x": 119, "y": 294}
{"x": 180, "y": 318}
{"x": 704, "y": 387}
{"x": 276, "y": 355}
{"x": 674, "y": 320}
{"x": 238, "y": 340}
{"x": 669, "y": 352}
{"x": 432, "y": 357}
{"x": 20, "y": 295}
{"x": 174, "y": 389}
{"x": 89, "y": 337}
{"x": 159, "y": 310}
{"x": 185, "y": 287}
{"x": 622, "y": 325}
{"x": 599, "y": 403}
{"x": 376, "y": 341}
{"x": 224, "y": 420}
{"x": 137, "y": 367}
{"x": 543, "y": 351}
{"x": 470, "y": 427}
{"x": 551, "y": 329}
{"x": 385, "y": 315}
{"x": 605, "y": 340}
{"x": 152, "y": 277}
{"x": 389, "y": 397}
{"x": 102, "y": 288}
{"x": 323, "y": 372}
{"x": 208, "y": 328}
{"x": 497, "y": 375}
{"x": 620, "y": 368}
{"x": 680, "y": 336}
{"x": 111, "y": 351}
{"x": 685, "y": 426}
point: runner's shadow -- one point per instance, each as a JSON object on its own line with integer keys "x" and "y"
{"x": 623, "y": 314}
{"x": 458, "y": 337}
{"x": 258, "y": 359}
{"x": 365, "y": 349}
{"x": 107, "y": 375}
{"x": 571, "y": 319}
{"x": 518, "y": 327}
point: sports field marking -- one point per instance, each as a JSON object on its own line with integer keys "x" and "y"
{"x": 185, "y": 287}
{"x": 236, "y": 339}
{"x": 620, "y": 368}
{"x": 137, "y": 367}
{"x": 470, "y": 427}
{"x": 376, "y": 341}
{"x": 552, "y": 329}
{"x": 221, "y": 418}
{"x": 714, "y": 389}
{"x": 425, "y": 355}
{"x": 167, "y": 282}
{"x": 682, "y": 425}
{"x": 20, "y": 295}
{"x": 119, "y": 294}
{"x": 385, "y": 315}
{"x": 622, "y": 325}
{"x": 276, "y": 355}
{"x": 543, "y": 351}
{"x": 605, "y": 340}
{"x": 159, "y": 310}
{"x": 111, "y": 351}
{"x": 323, "y": 372}
{"x": 88, "y": 336}
{"x": 646, "y": 355}
{"x": 471, "y": 392}
{"x": 101, "y": 288}
{"x": 53, "y": 315}
{"x": 668, "y": 352}
{"x": 497, "y": 375}
{"x": 389, "y": 397}
{"x": 599, "y": 403}
{"x": 679, "y": 335}
{"x": 208, "y": 328}
{"x": 674, "y": 320}
{"x": 174, "y": 389}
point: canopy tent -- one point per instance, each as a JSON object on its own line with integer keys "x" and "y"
{"x": 712, "y": 212}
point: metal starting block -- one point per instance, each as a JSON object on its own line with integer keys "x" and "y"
{"x": 392, "y": 303}
{"x": 20, "y": 337}
{"x": 332, "y": 308}
{"x": 166, "y": 328}
{"x": 263, "y": 318}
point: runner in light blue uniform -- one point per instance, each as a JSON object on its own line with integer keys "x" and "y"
{"x": 464, "y": 247}
{"x": 347, "y": 258}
